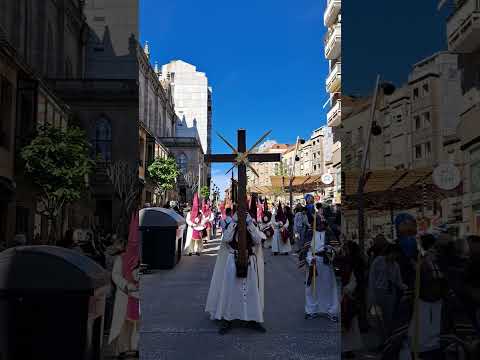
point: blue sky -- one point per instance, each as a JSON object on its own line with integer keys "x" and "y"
{"x": 264, "y": 60}
{"x": 387, "y": 38}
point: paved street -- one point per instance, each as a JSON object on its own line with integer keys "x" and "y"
{"x": 175, "y": 326}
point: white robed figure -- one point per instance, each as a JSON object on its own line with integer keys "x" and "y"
{"x": 280, "y": 242}
{"x": 219, "y": 270}
{"x": 231, "y": 297}
{"x": 321, "y": 294}
{"x": 196, "y": 224}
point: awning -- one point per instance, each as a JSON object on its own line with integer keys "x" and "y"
{"x": 261, "y": 190}
{"x": 393, "y": 189}
{"x": 300, "y": 184}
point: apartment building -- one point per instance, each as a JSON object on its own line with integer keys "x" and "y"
{"x": 418, "y": 125}
{"x": 332, "y": 21}
{"x": 463, "y": 38}
{"x": 193, "y": 100}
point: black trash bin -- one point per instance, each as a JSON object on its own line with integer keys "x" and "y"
{"x": 52, "y": 304}
{"x": 161, "y": 236}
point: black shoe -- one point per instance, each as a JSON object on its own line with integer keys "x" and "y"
{"x": 275, "y": 253}
{"x": 285, "y": 254}
{"x": 257, "y": 326}
{"x": 189, "y": 254}
{"x": 225, "y": 327}
{"x": 198, "y": 254}
{"x": 348, "y": 355}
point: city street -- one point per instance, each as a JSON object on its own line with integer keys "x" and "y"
{"x": 175, "y": 325}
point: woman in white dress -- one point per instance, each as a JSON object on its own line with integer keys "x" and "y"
{"x": 280, "y": 241}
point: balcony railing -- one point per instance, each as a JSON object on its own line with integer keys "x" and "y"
{"x": 333, "y": 81}
{"x": 331, "y": 12}
{"x": 334, "y": 116}
{"x": 463, "y": 27}
{"x": 333, "y": 42}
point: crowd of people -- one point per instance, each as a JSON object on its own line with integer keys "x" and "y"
{"x": 418, "y": 294}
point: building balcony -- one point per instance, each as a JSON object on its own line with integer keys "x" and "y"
{"x": 333, "y": 45}
{"x": 334, "y": 115}
{"x": 334, "y": 79}
{"x": 463, "y": 27}
{"x": 331, "y": 12}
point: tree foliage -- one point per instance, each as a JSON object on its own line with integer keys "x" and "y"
{"x": 205, "y": 192}
{"x": 58, "y": 162}
{"x": 164, "y": 173}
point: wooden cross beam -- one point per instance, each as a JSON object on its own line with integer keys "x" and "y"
{"x": 241, "y": 158}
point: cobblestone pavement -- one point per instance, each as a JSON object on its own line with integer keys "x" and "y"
{"x": 175, "y": 326}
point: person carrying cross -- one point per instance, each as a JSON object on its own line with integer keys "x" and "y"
{"x": 239, "y": 290}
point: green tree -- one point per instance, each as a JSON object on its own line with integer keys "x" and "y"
{"x": 205, "y": 192}
{"x": 164, "y": 173}
{"x": 58, "y": 162}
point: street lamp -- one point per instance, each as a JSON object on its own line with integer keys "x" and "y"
{"x": 375, "y": 130}
{"x": 292, "y": 170}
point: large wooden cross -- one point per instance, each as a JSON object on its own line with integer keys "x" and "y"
{"x": 241, "y": 158}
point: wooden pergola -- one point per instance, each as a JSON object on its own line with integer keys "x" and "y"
{"x": 300, "y": 184}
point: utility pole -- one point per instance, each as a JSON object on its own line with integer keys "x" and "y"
{"x": 292, "y": 171}
{"x": 387, "y": 89}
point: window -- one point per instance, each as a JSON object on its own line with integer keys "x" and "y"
{"x": 68, "y": 69}
{"x": 6, "y": 99}
{"x": 418, "y": 151}
{"x": 418, "y": 122}
{"x": 426, "y": 119}
{"x": 103, "y": 139}
{"x": 428, "y": 149}
{"x": 182, "y": 163}
{"x": 425, "y": 89}
{"x": 415, "y": 93}
{"x": 50, "y": 63}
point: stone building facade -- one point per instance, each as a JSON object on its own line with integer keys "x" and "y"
{"x": 53, "y": 68}
{"x": 463, "y": 38}
{"x": 39, "y": 40}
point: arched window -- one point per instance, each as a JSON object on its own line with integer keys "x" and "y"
{"x": 182, "y": 163}
{"x": 50, "y": 68}
{"x": 103, "y": 139}
{"x": 68, "y": 69}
